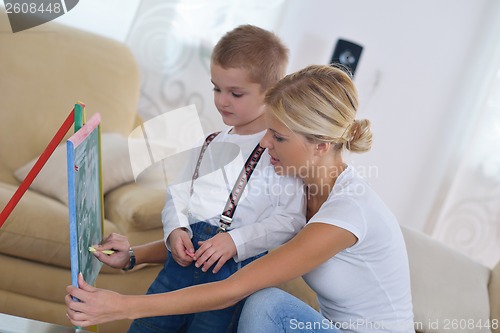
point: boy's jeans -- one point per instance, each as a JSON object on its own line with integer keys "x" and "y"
{"x": 174, "y": 276}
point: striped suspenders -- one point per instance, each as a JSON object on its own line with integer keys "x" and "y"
{"x": 226, "y": 217}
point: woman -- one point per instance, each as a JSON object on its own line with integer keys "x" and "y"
{"x": 351, "y": 252}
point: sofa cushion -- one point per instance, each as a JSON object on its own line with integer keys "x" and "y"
{"x": 38, "y": 229}
{"x": 53, "y": 178}
{"x": 449, "y": 290}
{"x": 135, "y": 207}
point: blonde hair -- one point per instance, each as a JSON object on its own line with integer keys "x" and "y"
{"x": 258, "y": 51}
{"x": 320, "y": 102}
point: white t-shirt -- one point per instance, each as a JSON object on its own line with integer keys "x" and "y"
{"x": 364, "y": 288}
{"x": 270, "y": 212}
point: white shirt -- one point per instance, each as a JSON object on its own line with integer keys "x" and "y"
{"x": 366, "y": 287}
{"x": 269, "y": 213}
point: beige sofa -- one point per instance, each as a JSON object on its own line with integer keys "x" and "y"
{"x": 43, "y": 72}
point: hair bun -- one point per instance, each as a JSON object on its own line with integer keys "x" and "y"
{"x": 359, "y": 136}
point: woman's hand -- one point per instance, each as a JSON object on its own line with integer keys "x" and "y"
{"x": 94, "y": 306}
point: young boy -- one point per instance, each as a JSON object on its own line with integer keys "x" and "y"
{"x": 205, "y": 227}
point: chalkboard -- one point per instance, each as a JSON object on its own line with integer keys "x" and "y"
{"x": 85, "y": 200}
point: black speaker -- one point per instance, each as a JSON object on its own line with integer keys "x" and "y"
{"x": 347, "y": 54}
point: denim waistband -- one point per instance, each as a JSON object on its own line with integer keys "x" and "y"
{"x": 203, "y": 231}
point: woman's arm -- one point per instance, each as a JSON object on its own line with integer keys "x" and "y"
{"x": 315, "y": 244}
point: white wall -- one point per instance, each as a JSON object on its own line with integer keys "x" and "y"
{"x": 414, "y": 60}
{"x": 111, "y": 18}
{"x": 420, "y": 60}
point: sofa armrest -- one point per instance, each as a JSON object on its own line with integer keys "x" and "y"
{"x": 494, "y": 289}
{"x": 134, "y": 207}
{"x": 447, "y": 286}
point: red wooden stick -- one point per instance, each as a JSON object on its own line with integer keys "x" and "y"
{"x": 56, "y": 140}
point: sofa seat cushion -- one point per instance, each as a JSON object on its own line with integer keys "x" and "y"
{"x": 449, "y": 290}
{"x": 134, "y": 207}
{"x": 53, "y": 177}
{"x": 38, "y": 229}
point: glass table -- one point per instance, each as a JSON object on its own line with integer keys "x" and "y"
{"x": 13, "y": 324}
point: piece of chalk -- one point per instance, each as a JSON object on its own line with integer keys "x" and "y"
{"x": 108, "y": 252}
{"x": 189, "y": 253}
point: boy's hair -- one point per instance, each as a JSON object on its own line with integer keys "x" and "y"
{"x": 258, "y": 51}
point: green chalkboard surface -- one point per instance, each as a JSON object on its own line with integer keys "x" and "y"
{"x": 85, "y": 200}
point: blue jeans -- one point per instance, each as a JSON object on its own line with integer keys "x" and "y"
{"x": 174, "y": 277}
{"x": 273, "y": 310}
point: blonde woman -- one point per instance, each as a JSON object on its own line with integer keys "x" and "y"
{"x": 351, "y": 252}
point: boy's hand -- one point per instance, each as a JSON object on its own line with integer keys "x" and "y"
{"x": 120, "y": 244}
{"x": 219, "y": 248}
{"x": 180, "y": 245}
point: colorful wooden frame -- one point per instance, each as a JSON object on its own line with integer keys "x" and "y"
{"x": 85, "y": 199}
